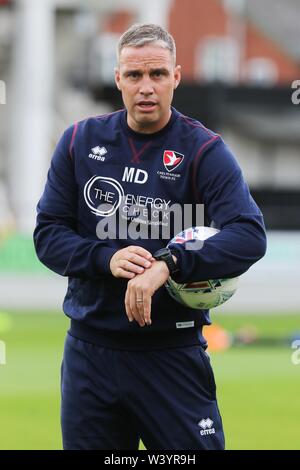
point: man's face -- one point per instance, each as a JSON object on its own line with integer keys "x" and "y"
{"x": 147, "y": 79}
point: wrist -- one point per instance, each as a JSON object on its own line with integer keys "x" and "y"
{"x": 165, "y": 255}
{"x": 163, "y": 266}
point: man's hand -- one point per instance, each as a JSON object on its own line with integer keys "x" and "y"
{"x": 130, "y": 261}
{"x": 140, "y": 291}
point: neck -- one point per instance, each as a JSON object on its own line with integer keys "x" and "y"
{"x": 148, "y": 127}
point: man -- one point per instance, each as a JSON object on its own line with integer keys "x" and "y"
{"x": 134, "y": 362}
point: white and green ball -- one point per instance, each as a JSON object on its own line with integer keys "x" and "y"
{"x": 200, "y": 294}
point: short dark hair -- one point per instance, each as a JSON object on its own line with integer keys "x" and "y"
{"x": 140, "y": 34}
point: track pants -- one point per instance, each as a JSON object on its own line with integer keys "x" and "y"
{"x": 112, "y": 398}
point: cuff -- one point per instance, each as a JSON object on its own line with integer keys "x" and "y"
{"x": 176, "y": 250}
{"x": 102, "y": 259}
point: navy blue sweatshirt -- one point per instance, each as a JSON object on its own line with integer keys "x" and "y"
{"x": 102, "y": 172}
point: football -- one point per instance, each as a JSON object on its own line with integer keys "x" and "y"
{"x": 200, "y": 294}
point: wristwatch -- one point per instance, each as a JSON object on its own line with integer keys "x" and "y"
{"x": 164, "y": 254}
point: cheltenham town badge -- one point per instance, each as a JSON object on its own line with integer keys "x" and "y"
{"x": 172, "y": 159}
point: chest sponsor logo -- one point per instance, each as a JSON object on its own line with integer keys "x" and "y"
{"x": 103, "y": 195}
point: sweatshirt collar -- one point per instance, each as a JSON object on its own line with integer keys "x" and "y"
{"x": 142, "y": 136}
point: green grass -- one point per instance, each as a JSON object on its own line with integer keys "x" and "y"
{"x": 258, "y": 388}
{"x": 29, "y": 382}
{"x": 279, "y": 325}
{"x": 258, "y": 394}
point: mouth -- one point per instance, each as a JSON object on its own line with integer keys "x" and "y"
{"x": 146, "y": 105}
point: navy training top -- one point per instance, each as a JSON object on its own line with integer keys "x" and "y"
{"x": 106, "y": 186}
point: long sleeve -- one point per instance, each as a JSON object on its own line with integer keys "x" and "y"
{"x": 228, "y": 206}
{"x": 57, "y": 242}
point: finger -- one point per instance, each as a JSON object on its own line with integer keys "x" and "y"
{"x": 140, "y": 303}
{"x": 140, "y": 251}
{"x": 134, "y": 308}
{"x": 127, "y": 307}
{"x": 139, "y": 260}
{"x": 147, "y": 309}
{"x": 125, "y": 274}
{"x": 131, "y": 267}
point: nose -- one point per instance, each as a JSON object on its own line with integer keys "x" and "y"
{"x": 146, "y": 86}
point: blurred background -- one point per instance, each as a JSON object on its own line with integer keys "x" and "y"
{"x": 241, "y": 62}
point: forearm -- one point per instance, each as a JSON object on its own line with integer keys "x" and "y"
{"x": 63, "y": 251}
{"x": 229, "y": 253}
{"x": 219, "y": 185}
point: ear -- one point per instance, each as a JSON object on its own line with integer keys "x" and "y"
{"x": 117, "y": 78}
{"x": 177, "y": 76}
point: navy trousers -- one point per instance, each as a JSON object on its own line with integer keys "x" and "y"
{"x": 113, "y": 398}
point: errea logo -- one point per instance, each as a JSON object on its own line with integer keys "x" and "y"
{"x": 206, "y": 425}
{"x": 98, "y": 153}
